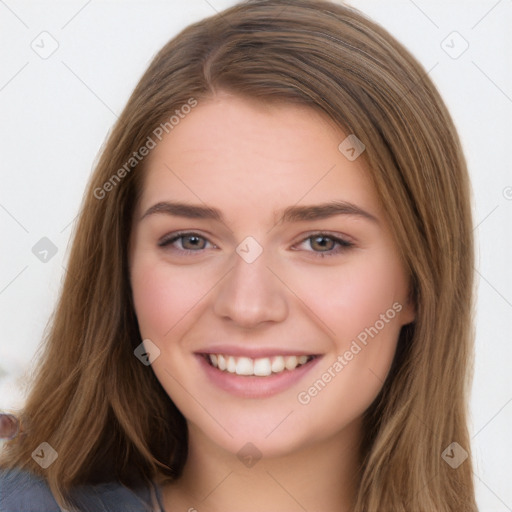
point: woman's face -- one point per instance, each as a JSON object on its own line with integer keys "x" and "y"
{"x": 268, "y": 249}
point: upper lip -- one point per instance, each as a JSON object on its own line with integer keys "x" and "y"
{"x": 254, "y": 352}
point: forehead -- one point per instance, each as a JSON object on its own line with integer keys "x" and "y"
{"x": 279, "y": 131}
{"x": 234, "y": 152}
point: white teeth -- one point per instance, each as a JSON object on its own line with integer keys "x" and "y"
{"x": 261, "y": 367}
{"x": 278, "y": 364}
{"x": 291, "y": 362}
{"x": 244, "y": 366}
{"x": 231, "y": 365}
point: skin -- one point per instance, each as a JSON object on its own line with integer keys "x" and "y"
{"x": 249, "y": 160}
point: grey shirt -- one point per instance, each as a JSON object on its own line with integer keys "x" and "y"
{"x": 21, "y": 491}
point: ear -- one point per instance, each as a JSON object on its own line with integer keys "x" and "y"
{"x": 409, "y": 310}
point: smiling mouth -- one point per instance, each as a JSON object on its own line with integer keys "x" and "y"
{"x": 259, "y": 367}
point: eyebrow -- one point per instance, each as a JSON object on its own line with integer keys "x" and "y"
{"x": 290, "y": 214}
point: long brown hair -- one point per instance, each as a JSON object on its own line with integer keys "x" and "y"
{"x": 106, "y": 414}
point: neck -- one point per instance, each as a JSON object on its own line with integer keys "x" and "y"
{"x": 321, "y": 476}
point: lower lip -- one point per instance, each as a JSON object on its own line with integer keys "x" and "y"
{"x": 253, "y": 386}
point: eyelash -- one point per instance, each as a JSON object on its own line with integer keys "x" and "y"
{"x": 342, "y": 246}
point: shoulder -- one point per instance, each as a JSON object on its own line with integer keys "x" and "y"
{"x": 22, "y": 491}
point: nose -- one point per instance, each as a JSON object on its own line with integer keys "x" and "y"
{"x": 251, "y": 294}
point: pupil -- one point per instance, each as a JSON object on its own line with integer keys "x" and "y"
{"x": 192, "y": 240}
{"x": 325, "y": 239}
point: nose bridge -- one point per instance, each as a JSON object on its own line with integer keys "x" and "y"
{"x": 250, "y": 294}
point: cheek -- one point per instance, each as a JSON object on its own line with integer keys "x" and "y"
{"x": 163, "y": 295}
{"x": 349, "y": 298}
{"x": 359, "y": 307}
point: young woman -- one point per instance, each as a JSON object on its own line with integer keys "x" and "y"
{"x": 268, "y": 299}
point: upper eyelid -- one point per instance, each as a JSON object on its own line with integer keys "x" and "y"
{"x": 343, "y": 238}
{"x": 172, "y": 237}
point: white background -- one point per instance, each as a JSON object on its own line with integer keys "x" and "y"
{"x": 56, "y": 113}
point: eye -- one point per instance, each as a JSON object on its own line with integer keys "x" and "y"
{"x": 189, "y": 242}
{"x": 322, "y": 244}
{"x": 325, "y": 244}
